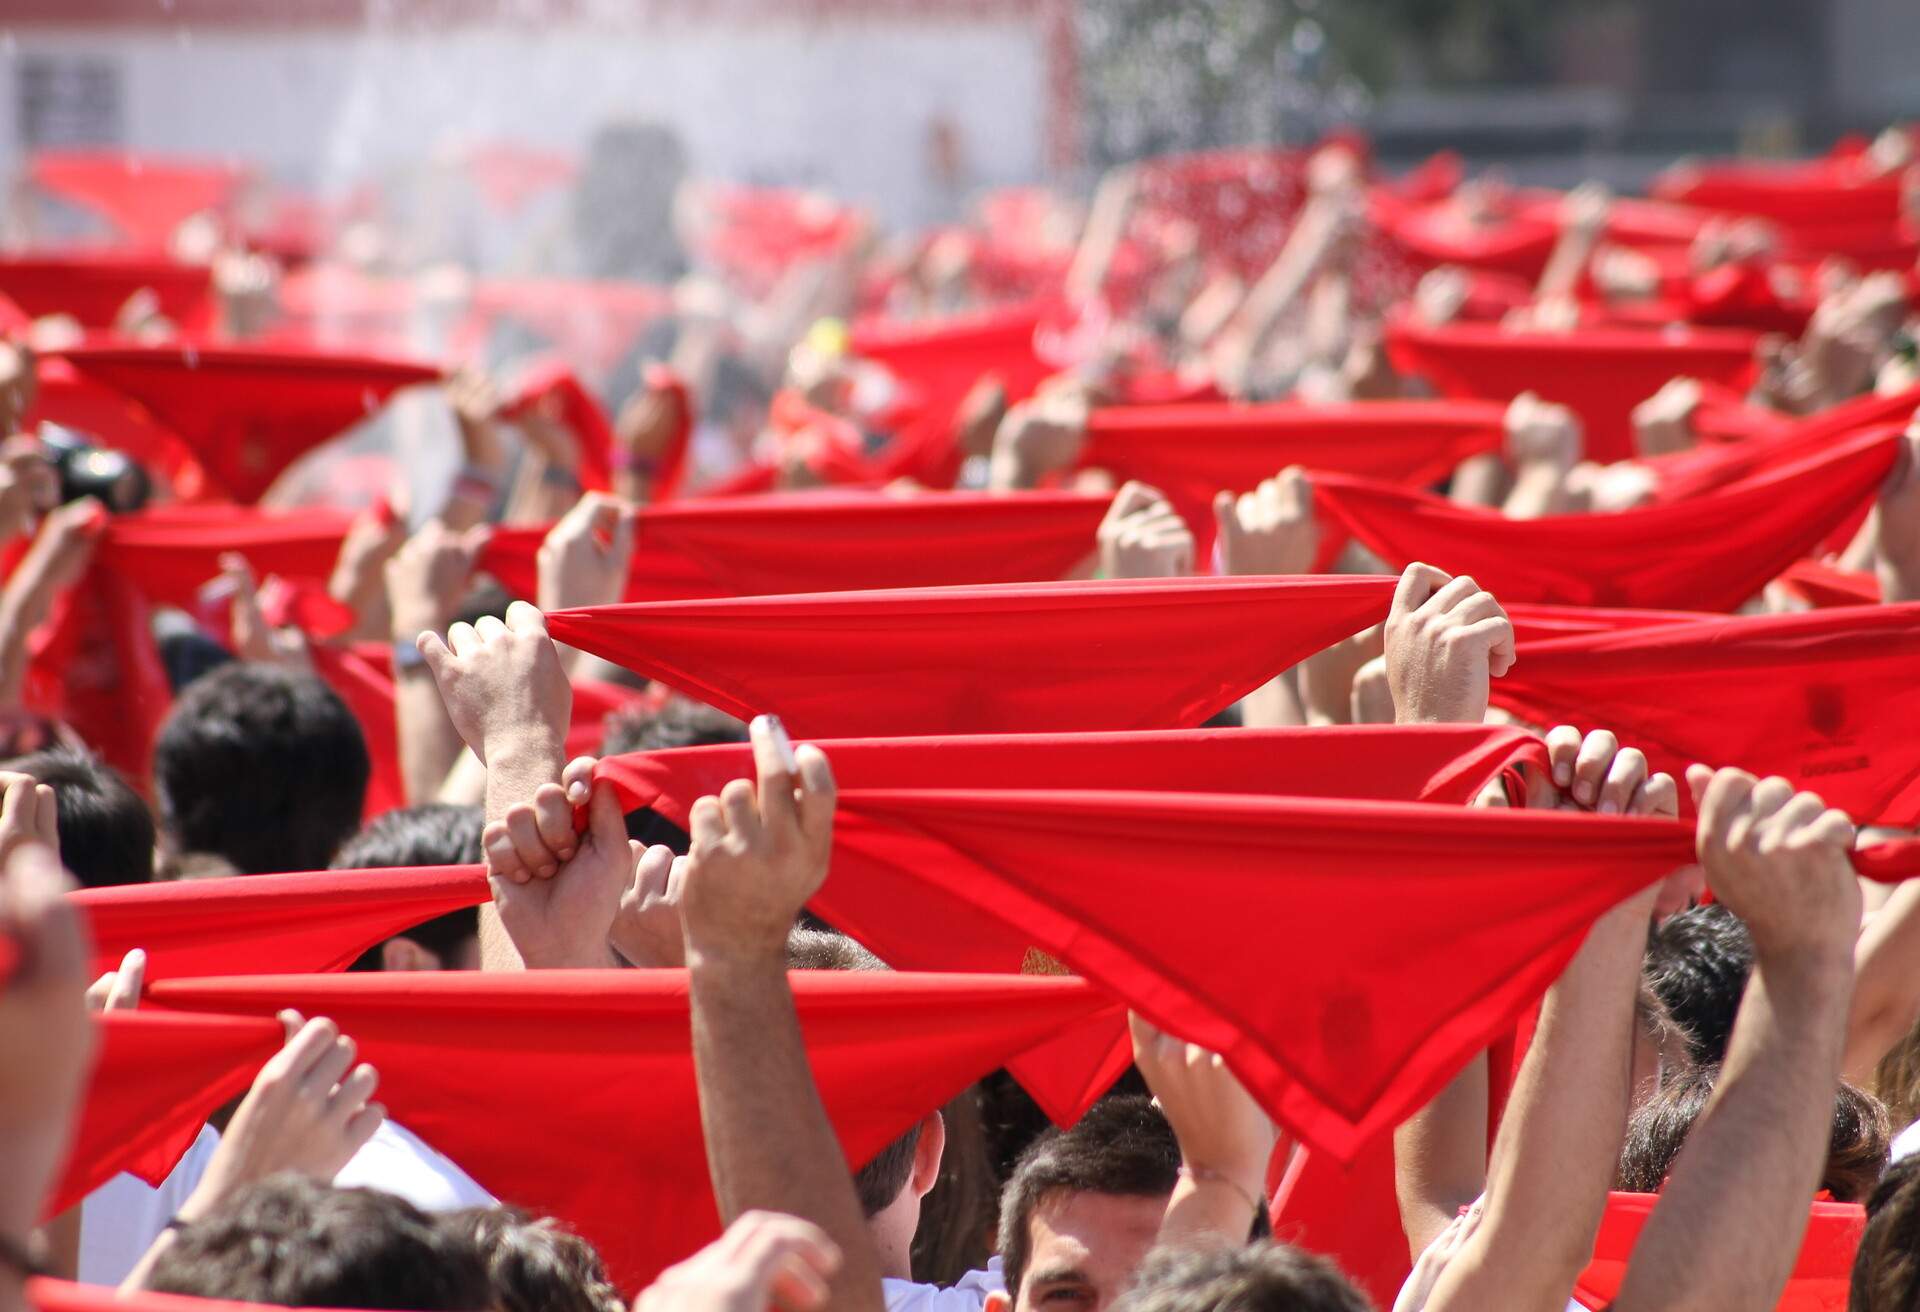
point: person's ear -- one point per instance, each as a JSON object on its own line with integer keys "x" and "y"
{"x": 402, "y": 953}
{"x": 927, "y": 1154}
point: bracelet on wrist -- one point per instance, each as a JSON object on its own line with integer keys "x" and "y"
{"x": 1207, "y": 1175}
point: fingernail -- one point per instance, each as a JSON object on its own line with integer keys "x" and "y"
{"x": 1562, "y": 774}
{"x": 1609, "y": 807}
{"x": 773, "y": 723}
{"x": 547, "y": 869}
{"x": 565, "y": 854}
{"x": 1583, "y": 791}
{"x": 577, "y": 793}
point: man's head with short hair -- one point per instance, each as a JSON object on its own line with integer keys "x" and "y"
{"x": 106, "y": 831}
{"x": 263, "y": 766}
{"x": 536, "y": 1265}
{"x": 433, "y": 834}
{"x": 1857, "y": 1146}
{"x": 1259, "y": 1277}
{"x": 1084, "y": 1205}
{"x": 292, "y": 1242}
{"x": 1886, "y": 1266}
{"x": 1698, "y": 962}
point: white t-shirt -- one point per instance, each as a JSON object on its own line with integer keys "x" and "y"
{"x": 120, "y": 1220}
{"x": 1907, "y": 1142}
{"x": 968, "y": 1295}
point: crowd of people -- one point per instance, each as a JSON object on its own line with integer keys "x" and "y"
{"x": 1288, "y": 739}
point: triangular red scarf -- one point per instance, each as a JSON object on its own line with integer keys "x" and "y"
{"x": 1821, "y": 1275}
{"x": 1178, "y": 904}
{"x": 156, "y": 1079}
{"x": 93, "y": 285}
{"x": 1772, "y": 440}
{"x": 1601, "y": 373}
{"x": 69, "y": 398}
{"x": 246, "y": 413}
{"x": 1022, "y": 657}
{"x": 146, "y": 196}
{"x": 1821, "y": 698}
{"x": 1534, "y": 623}
{"x": 592, "y": 430}
{"x": 62, "y": 1296}
{"x": 1348, "y": 1213}
{"x": 269, "y": 924}
{"x": 1711, "y": 553}
{"x": 834, "y": 541}
{"x": 168, "y": 552}
{"x": 616, "y": 1149}
{"x": 1821, "y": 585}
{"x": 1191, "y": 452}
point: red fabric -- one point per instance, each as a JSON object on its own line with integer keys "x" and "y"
{"x": 1710, "y": 553}
{"x": 1821, "y": 585}
{"x": 1191, "y": 452}
{"x": 67, "y": 397}
{"x": 145, "y": 196}
{"x": 1807, "y": 696}
{"x": 1435, "y": 233}
{"x": 1821, "y": 1273}
{"x": 551, "y": 382}
{"x": 269, "y": 924}
{"x": 593, "y": 323}
{"x": 168, "y": 552}
{"x": 61, "y": 1296}
{"x": 1534, "y": 623}
{"x": 814, "y": 541}
{"x": 93, "y": 285}
{"x": 247, "y": 413}
{"x": 1122, "y": 654}
{"x": 1738, "y": 444}
{"x": 604, "y": 1055}
{"x": 1794, "y": 194}
{"x": 1350, "y": 1214}
{"x": 1600, "y": 373}
{"x": 672, "y": 468}
{"x": 510, "y": 174}
{"x": 155, "y": 1080}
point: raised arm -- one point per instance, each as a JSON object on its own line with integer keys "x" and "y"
{"x": 1729, "y": 1224}
{"x": 759, "y": 852}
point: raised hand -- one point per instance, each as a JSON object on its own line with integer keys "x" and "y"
{"x": 502, "y": 683}
{"x": 119, "y": 989}
{"x": 1446, "y": 639}
{"x": 1595, "y": 773}
{"x": 1038, "y": 437}
{"x": 1143, "y": 536}
{"x": 584, "y": 558}
{"x": 759, "y": 850}
{"x": 427, "y": 577}
{"x": 647, "y": 930}
{"x": 560, "y": 912}
{"x": 764, "y": 1260}
{"x": 1663, "y": 423}
{"x": 1270, "y": 530}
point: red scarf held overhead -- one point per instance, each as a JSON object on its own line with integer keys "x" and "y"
{"x": 607, "y": 1053}
{"x": 834, "y": 541}
{"x": 1600, "y": 373}
{"x": 1710, "y": 553}
{"x": 1191, "y": 452}
{"x": 92, "y": 286}
{"x": 45, "y": 1295}
{"x": 248, "y": 413}
{"x": 1823, "y": 586}
{"x": 1822, "y": 1273}
{"x": 551, "y": 382}
{"x": 1120, "y": 654}
{"x": 69, "y": 398}
{"x": 147, "y": 197}
{"x": 167, "y": 553}
{"x": 1821, "y": 698}
{"x": 1371, "y": 1015}
{"x": 1536, "y": 623}
{"x": 155, "y": 1080}
{"x": 268, "y": 924}
{"x": 1738, "y": 444}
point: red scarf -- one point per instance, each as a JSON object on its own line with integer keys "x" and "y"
{"x": 246, "y": 413}
{"x": 578, "y": 411}
{"x": 1711, "y": 553}
{"x": 93, "y": 285}
{"x": 1191, "y": 452}
{"x": 1820, "y": 698}
{"x": 1601, "y": 373}
{"x": 155, "y": 1080}
{"x": 1822, "y": 1274}
{"x": 268, "y": 924}
{"x": 1122, "y": 654}
{"x": 64, "y": 1296}
{"x": 819, "y": 541}
{"x": 146, "y": 196}
{"x": 604, "y": 1057}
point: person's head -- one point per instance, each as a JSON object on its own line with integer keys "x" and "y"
{"x": 1698, "y": 962}
{"x": 106, "y": 831}
{"x": 1856, "y": 1149}
{"x": 292, "y": 1242}
{"x": 261, "y": 765}
{"x": 433, "y": 834}
{"x": 679, "y": 722}
{"x": 1886, "y": 1266}
{"x": 895, "y": 1180}
{"x": 1083, "y": 1206}
{"x": 1259, "y": 1277}
{"x": 536, "y": 1265}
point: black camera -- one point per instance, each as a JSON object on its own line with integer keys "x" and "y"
{"x": 86, "y": 470}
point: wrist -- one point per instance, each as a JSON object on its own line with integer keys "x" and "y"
{"x": 720, "y": 955}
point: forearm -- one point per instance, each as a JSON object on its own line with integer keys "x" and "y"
{"x": 1440, "y": 1156}
{"x": 769, "y": 1143}
{"x": 1731, "y": 1219}
{"x": 1540, "y": 488}
{"x": 1275, "y": 704}
{"x": 1212, "y": 1210}
{"x": 1886, "y": 989}
{"x": 515, "y": 769}
{"x": 24, "y": 605}
{"x": 1287, "y": 278}
{"x": 428, "y": 742}
{"x": 1559, "y": 1141}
